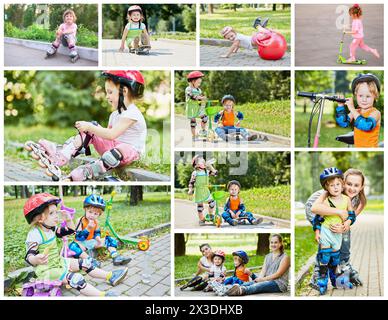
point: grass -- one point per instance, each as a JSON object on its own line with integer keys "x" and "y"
{"x": 174, "y": 36}
{"x": 270, "y": 202}
{"x": 154, "y": 210}
{"x": 242, "y": 21}
{"x": 271, "y": 116}
{"x": 329, "y": 129}
{"x": 21, "y": 134}
{"x": 305, "y": 246}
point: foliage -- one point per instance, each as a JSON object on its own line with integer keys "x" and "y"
{"x": 305, "y": 246}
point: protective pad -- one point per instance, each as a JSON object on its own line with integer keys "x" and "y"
{"x": 111, "y": 158}
{"x": 76, "y": 281}
{"x": 365, "y": 124}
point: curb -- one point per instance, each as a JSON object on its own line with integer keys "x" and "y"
{"x": 150, "y": 231}
{"x": 85, "y": 53}
{"x": 224, "y": 43}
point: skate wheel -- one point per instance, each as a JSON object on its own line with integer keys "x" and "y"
{"x": 27, "y": 146}
{"x": 50, "y": 174}
{"x": 34, "y": 155}
{"x": 41, "y": 163}
{"x": 56, "y": 292}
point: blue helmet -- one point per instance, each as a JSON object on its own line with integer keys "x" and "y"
{"x": 94, "y": 200}
{"x": 330, "y": 173}
{"x": 228, "y": 97}
{"x": 243, "y": 255}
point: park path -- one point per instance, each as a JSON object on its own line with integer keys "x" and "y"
{"x": 367, "y": 257}
{"x": 16, "y": 55}
{"x": 192, "y": 294}
{"x": 22, "y": 171}
{"x": 210, "y": 56}
{"x": 186, "y": 218}
{"x": 317, "y": 39}
{"x": 160, "y": 264}
{"x": 164, "y": 53}
{"x": 183, "y": 138}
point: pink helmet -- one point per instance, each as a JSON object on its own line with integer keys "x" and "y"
{"x": 219, "y": 253}
{"x": 194, "y": 75}
{"x": 198, "y": 162}
{"x": 226, "y": 30}
{"x": 37, "y": 203}
{"x": 135, "y": 8}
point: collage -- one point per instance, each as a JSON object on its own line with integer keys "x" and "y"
{"x": 209, "y": 151}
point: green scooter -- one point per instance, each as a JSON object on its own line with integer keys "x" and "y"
{"x": 342, "y": 60}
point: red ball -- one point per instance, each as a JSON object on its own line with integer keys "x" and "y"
{"x": 272, "y": 48}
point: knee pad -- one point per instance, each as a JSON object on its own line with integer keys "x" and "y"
{"x": 193, "y": 123}
{"x": 324, "y": 256}
{"x": 76, "y": 281}
{"x": 212, "y": 204}
{"x": 76, "y": 249}
{"x": 335, "y": 258}
{"x": 204, "y": 119}
{"x": 110, "y": 242}
{"x": 86, "y": 265}
{"x": 111, "y": 158}
{"x": 200, "y": 207}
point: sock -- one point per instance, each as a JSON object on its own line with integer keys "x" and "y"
{"x": 114, "y": 254}
{"x": 108, "y": 276}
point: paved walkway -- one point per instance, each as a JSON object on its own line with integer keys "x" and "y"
{"x": 317, "y": 38}
{"x": 192, "y": 294}
{"x": 183, "y": 139}
{"x": 186, "y": 218}
{"x": 164, "y": 53}
{"x": 22, "y": 171}
{"x": 15, "y": 55}
{"x": 210, "y": 56}
{"x": 367, "y": 258}
{"x": 159, "y": 264}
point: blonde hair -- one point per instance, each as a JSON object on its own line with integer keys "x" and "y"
{"x": 356, "y": 172}
{"x": 280, "y": 238}
{"x": 371, "y": 86}
{"x": 331, "y": 179}
{"x": 71, "y": 12}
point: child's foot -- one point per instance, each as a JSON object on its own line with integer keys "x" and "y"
{"x": 257, "y": 221}
{"x": 117, "y": 276}
{"x": 252, "y": 137}
{"x": 233, "y": 222}
{"x": 375, "y": 53}
{"x": 235, "y": 290}
{"x": 351, "y": 60}
{"x": 119, "y": 260}
{"x": 201, "y": 222}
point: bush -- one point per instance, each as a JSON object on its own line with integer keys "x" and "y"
{"x": 189, "y": 19}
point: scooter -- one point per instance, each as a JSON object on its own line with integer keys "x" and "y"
{"x": 319, "y": 105}
{"x": 217, "y": 195}
{"x": 342, "y": 60}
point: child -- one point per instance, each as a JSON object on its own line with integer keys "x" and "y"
{"x": 217, "y": 270}
{"x": 225, "y": 120}
{"x": 194, "y": 106}
{"x": 328, "y": 256}
{"x": 199, "y": 185}
{"x": 66, "y": 34}
{"x": 367, "y": 119}
{"x": 88, "y": 233}
{"x": 357, "y": 32}
{"x": 246, "y": 42}
{"x": 135, "y": 32}
{"x": 234, "y": 207}
{"x": 120, "y": 144}
{"x": 241, "y": 273}
{"x": 43, "y": 253}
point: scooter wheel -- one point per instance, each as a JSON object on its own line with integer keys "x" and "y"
{"x": 218, "y": 222}
{"x": 143, "y": 245}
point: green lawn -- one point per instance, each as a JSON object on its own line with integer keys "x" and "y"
{"x": 270, "y": 202}
{"x": 154, "y": 210}
{"x": 271, "y": 116}
{"x": 153, "y": 162}
{"x": 329, "y": 129}
{"x": 242, "y": 21}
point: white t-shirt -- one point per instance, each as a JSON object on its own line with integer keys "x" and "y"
{"x": 245, "y": 41}
{"x": 135, "y": 25}
{"x": 34, "y": 237}
{"x": 136, "y": 134}
{"x": 204, "y": 262}
{"x": 217, "y": 271}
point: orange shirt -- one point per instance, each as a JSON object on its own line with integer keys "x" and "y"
{"x": 241, "y": 275}
{"x": 367, "y": 139}
{"x": 228, "y": 119}
{"x": 85, "y": 223}
{"x": 234, "y": 203}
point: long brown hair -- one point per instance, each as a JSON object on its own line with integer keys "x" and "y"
{"x": 280, "y": 238}
{"x": 356, "y": 172}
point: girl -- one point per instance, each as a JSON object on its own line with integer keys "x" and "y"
{"x": 366, "y": 118}
{"x": 88, "y": 232}
{"x": 273, "y": 276}
{"x": 194, "y": 103}
{"x": 354, "y": 189}
{"x": 43, "y": 253}
{"x": 66, "y": 34}
{"x": 135, "y": 32}
{"x": 217, "y": 270}
{"x": 120, "y": 144}
{"x": 357, "y": 32}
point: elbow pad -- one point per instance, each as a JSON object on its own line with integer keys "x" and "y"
{"x": 217, "y": 117}
{"x": 341, "y": 117}
{"x": 240, "y": 116}
{"x": 317, "y": 221}
{"x": 82, "y": 235}
{"x": 352, "y": 217}
{"x": 30, "y": 252}
{"x": 253, "y": 276}
{"x": 365, "y": 124}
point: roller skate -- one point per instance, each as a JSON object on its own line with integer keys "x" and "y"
{"x": 354, "y": 277}
{"x": 343, "y": 281}
{"x": 191, "y": 283}
{"x": 260, "y": 22}
{"x": 143, "y": 50}
{"x": 202, "y": 134}
{"x": 323, "y": 280}
{"x": 314, "y": 278}
{"x": 74, "y": 56}
{"x": 50, "y": 52}
{"x": 333, "y": 276}
{"x": 42, "y": 288}
{"x": 89, "y": 171}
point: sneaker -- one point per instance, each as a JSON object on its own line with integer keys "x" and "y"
{"x": 252, "y": 137}
{"x": 233, "y": 222}
{"x": 117, "y": 276}
{"x": 257, "y": 221}
{"x": 120, "y": 260}
{"x": 201, "y": 222}
{"x": 235, "y": 290}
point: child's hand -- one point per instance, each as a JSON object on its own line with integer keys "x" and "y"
{"x": 343, "y": 215}
{"x": 83, "y": 126}
{"x": 350, "y": 104}
{"x": 41, "y": 258}
{"x": 121, "y": 49}
{"x": 91, "y": 225}
{"x": 317, "y": 237}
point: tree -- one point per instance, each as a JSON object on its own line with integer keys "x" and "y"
{"x": 262, "y": 247}
{"x": 136, "y": 195}
{"x": 180, "y": 244}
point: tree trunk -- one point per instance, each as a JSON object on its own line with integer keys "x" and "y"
{"x": 274, "y": 7}
{"x": 180, "y": 244}
{"x": 16, "y": 191}
{"x": 210, "y": 9}
{"x": 262, "y": 244}
{"x": 24, "y": 192}
{"x": 136, "y": 195}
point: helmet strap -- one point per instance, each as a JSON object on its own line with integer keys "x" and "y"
{"x": 48, "y": 227}
{"x": 121, "y": 104}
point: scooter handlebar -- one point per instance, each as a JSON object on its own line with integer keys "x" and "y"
{"x": 313, "y": 95}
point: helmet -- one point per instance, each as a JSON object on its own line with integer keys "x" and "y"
{"x": 135, "y": 8}
{"x": 37, "y": 203}
{"x": 194, "y": 75}
{"x": 365, "y": 77}
{"x": 196, "y": 162}
{"x": 228, "y": 97}
{"x": 232, "y": 182}
{"x": 242, "y": 254}
{"x": 329, "y": 173}
{"x": 219, "y": 253}
{"x": 226, "y": 30}
{"x": 94, "y": 200}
